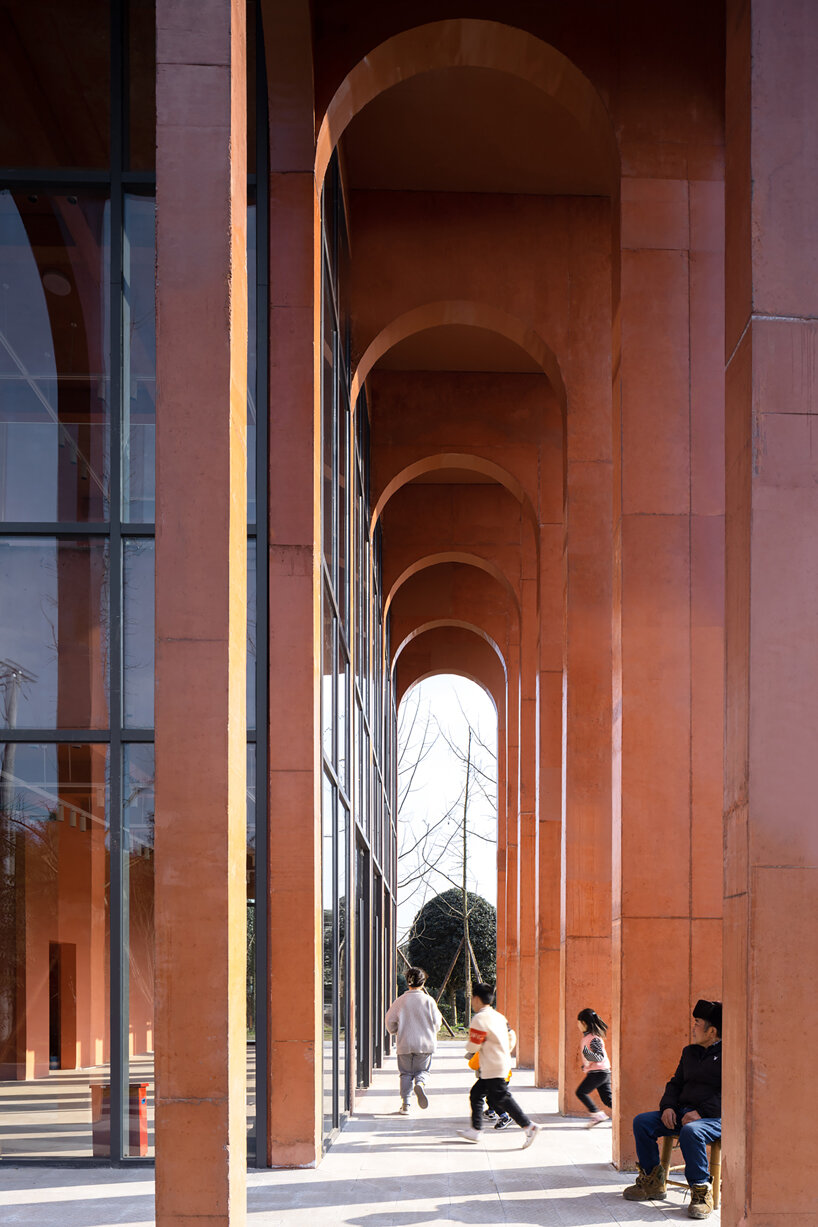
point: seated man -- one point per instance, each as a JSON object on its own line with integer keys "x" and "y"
{"x": 691, "y": 1108}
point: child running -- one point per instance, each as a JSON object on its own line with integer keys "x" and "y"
{"x": 415, "y": 1019}
{"x": 595, "y": 1065}
{"x": 491, "y": 1037}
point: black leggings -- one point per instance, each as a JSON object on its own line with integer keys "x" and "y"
{"x": 598, "y": 1080}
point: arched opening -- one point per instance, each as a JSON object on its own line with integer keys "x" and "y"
{"x": 464, "y": 375}
{"x": 447, "y": 769}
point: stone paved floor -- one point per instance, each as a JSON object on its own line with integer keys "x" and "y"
{"x": 385, "y": 1170}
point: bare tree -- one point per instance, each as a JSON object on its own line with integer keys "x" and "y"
{"x": 434, "y": 845}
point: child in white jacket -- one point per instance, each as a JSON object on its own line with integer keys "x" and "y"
{"x": 491, "y": 1037}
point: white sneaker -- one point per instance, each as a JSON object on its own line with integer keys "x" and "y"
{"x": 469, "y": 1135}
{"x": 404, "y": 1109}
{"x": 596, "y": 1119}
{"x": 420, "y": 1095}
{"x": 531, "y": 1132}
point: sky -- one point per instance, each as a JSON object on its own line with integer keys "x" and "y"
{"x": 431, "y": 783}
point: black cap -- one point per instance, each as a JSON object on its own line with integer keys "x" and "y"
{"x": 709, "y": 1012}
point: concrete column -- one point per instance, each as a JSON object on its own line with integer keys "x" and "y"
{"x": 201, "y": 613}
{"x": 771, "y": 767}
{"x": 550, "y": 812}
{"x": 668, "y": 618}
{"x": 502, "y": 825}
{"x": 529, "y": 829}
{"x": 586, "y": 909}
{"x": 509, "y": 1004}
{"x": 585, "y": 938}
{"x": 294, "y": 1107}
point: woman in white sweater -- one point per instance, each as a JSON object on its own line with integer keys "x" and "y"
{"x": 415, "y": 1019}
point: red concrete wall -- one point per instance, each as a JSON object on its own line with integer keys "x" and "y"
{"x": 668, "y": 613}
{"x": 771, "y": 849}
{"x": 294, "y": 1108}
{"x": 201, "y": 613}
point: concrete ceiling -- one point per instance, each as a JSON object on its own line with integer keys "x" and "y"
{"x": 472, "y": 130}
{"x": 457, "y": 347}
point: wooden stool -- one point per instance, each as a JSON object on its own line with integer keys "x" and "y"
{"x": 715, "y": 1166}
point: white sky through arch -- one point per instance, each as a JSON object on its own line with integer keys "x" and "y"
{"x": 449, "y": 703}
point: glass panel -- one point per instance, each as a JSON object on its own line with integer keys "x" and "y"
{"x": 54, "y": 615}
{"x": 142, "y": 83}
{"x": 252, "y": 511}
{"x": 139, "y": 362}
{"x": 328, "y": 200}
{"x": 328, "y": 673}
{"x": 55, "y": 69}
{"x": 251, "y": 951}
{"x": 342, "y": 708}
{"x": 343, "y": 828}
{"x": 138, "y": 632}
{"x": 251, "y": 87}
{"x": 54, "y": 387}
{"x": 251, "y": 633}
{"x": 327, "y": 904}
{"x": 139, "y": 873}
{"x": 328, "y": 424}
{"x": 54, "y": 989}
{"x": 343, "y": 426}
{"x": 362, "y": 580}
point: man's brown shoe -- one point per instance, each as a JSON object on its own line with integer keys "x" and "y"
{"x": 648, "y": 1187}
{"x": 701, "y": 1200}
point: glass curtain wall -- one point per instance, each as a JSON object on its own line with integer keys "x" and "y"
{"x": 77, "y": 498}
{"x": 358, "y": 711}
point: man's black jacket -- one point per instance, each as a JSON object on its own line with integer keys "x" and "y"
{"x": 696, "y": 1085}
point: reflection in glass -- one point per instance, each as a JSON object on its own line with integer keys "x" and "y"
{"x": 343, "y": 828}
{"x": 55, "y": 65}
{"x": 139, "y": 874}
{"x": 328, "y": 904}
{"x": 251, "y": 633}
{"x": 54, "y": 615}
{"x": 328, "y": 429}
{"x": 142, "y": 83}
{"x": 137, "y": 632}
{"x": 328, "y": 671}
{"x": 251, "y": 949}
{"x": 251, "y": 362}
{"x": 54, "y": 937}
{"x": 342, "y": 701}
{"x": 343, "y": 494}
{"x": 54, "y": 384}
{"x": 138, "y": 362}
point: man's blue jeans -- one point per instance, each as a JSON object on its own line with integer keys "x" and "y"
{"x": 693, "y": 1139}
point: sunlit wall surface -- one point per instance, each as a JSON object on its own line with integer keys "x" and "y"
{"x": 357, "y": 713}
{"x": 77, "y": 497}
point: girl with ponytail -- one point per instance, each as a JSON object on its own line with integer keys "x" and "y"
{"x": 595, "y": 1065}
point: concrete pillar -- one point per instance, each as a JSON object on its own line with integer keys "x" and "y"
{"x": 528, "y": 828}
{"x": 585, "y": 940}
{"x": 294, "y": 1109}
{"x": 201, "y": 612}
{"x": 771, "y": 768}
{"x": 586, "y": 911}
{"x": 502, "y": 825}
{"x": 509, "y": 1004}
{"x": 668, "y": 618}
{"x": 550, "y": 808}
